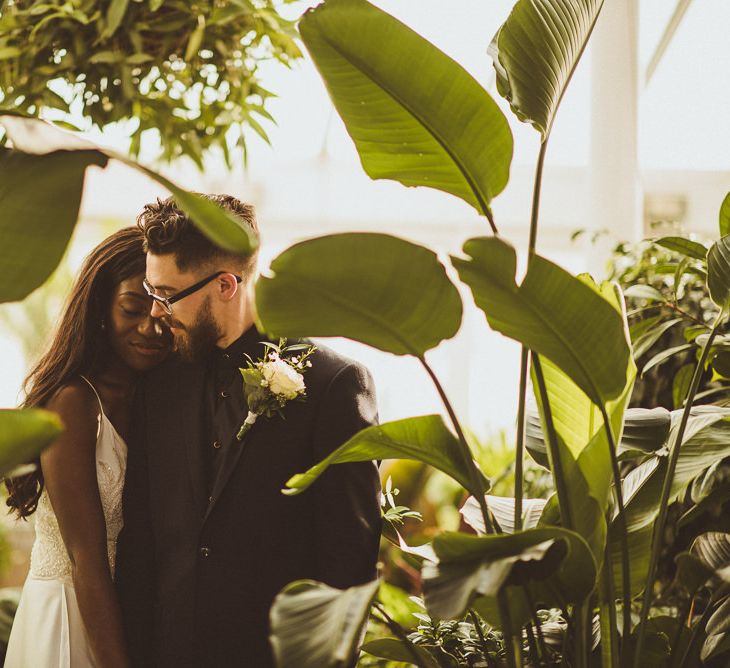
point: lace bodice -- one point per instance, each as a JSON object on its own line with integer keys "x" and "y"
{"x": 49, "y": 558}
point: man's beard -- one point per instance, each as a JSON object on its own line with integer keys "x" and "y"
{"x": 196, "y": 341}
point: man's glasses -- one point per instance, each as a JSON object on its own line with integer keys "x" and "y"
{"x": 167, "y": 302}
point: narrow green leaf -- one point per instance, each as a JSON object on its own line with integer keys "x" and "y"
{"x": 114, "y": 16}
{"x": 641, "y": 291}
{"x": 196, "y": 39}
{"x": 718, "y": 271}
{"x": 8, "y": 52}
{"x": 107, "y": 57}
{"x": 647, "y": 341}
{"x": 725, "y": 216}
{"x": 684, "y": 246}
{"x": 681, "y": 383}
{"x": 664, "y": 355}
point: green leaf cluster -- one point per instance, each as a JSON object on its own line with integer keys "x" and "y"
{"x": 188, "y": 71}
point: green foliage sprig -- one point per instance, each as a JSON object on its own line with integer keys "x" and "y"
{"x": 186, "y": 69}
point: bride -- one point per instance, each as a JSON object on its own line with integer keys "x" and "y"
{"x": 68, "y": 615}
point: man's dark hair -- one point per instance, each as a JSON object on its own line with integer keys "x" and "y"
{"x": 168, "y": 230}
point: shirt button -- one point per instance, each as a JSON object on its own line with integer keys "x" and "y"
{"x": 224, "y": 394}
{"x": 217, "y": 445}
{"x": 226, "y": 356}
{"x": 205, "y": 552}
{"x": 210, "y": 499}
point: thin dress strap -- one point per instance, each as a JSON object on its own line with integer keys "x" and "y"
{"x": 98, "y": 398}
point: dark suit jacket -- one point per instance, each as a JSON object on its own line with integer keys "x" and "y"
{"x": 196, "y": 578}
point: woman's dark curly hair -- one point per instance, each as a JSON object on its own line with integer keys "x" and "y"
{"x": 79, "y": 345}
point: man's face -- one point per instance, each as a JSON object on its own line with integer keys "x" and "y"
{"x": 192, "y": 323}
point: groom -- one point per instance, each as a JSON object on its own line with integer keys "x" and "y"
{"x": 208, "y": 538}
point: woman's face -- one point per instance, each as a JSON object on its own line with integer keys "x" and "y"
{"x": 140, "y": 340}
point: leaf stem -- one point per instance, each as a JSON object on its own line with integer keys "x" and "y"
{"x": 621, "y": 519}
{"x": 520, "y": 445}
{"x": 608, "y": 611}
{"x": 512, "y": 644}
{"x": 525, "y": 356}
{"x": 482, "y": 640}
{"x": 698, "y": 627}
{"x": 682, "y": 312}
{"x": 474, "y": 472}
{"x": 399, "y": 631}
{"x": 566, "y": 512}
{"x": 658, "y": 533}
{"x": 544, "y": 655}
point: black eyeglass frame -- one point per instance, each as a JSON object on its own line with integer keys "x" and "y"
{"x": 167, "y": 302}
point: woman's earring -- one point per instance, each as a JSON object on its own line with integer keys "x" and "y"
{"x": 103, "y": 325}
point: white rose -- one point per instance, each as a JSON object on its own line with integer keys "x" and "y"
{"x": 282, "y": 379}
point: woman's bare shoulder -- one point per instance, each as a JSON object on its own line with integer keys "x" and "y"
{"x": 78, "y": 408}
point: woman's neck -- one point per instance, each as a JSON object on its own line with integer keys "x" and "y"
{"x": 115, "y": 374}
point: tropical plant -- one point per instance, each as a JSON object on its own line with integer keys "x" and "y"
{"x": 185, "y": 70}
{"x": 592, "y": 548}
{"x": 665, "y": 285}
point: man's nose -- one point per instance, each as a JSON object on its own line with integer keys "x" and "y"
{"x": 157, "y": 311}
{"x": 150, "y": 327}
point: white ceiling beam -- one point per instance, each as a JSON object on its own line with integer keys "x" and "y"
{"x": 679, "y": 11}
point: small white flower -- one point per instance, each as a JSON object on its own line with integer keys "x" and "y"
{"x": 282, "y": 379}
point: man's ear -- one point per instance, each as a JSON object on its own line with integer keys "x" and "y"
{"x": 228, "y": 286}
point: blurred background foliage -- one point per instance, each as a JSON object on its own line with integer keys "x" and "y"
{"x": 184, "y": 70}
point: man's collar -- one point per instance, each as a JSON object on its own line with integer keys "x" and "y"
{"x": 249, "y": 343}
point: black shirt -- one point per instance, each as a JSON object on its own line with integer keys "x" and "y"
{"x": 225, "y": 402}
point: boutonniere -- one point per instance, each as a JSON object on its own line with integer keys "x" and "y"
{"x": 275, "y": 380}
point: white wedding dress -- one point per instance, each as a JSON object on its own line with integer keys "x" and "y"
{"x": 48, "y": 631}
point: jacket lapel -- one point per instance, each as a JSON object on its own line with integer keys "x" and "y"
{"x": 190, "y": 402}
{"x": 231, "y": 457}
{"x": 249, "y": 344}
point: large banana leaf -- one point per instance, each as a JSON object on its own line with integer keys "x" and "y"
{"x": 415, "y": 115}
{"x": 503, "y": 510}
{"x": 644, "y": 431}
{"x": 535, "y": 53}
{"x": 23, "y": 434}
{"x": 706, "y": 440}
{"x": 316, "y": 626}
{"x": 375, "y": 288}
{"x": 552, "y": 312}
{"x": 425, "y": 439}
{"x": 39, "y": 206}
{"x": 41, "y": 182}
{"x": 579, "y": 510}
{"x": 556, "y": 562}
